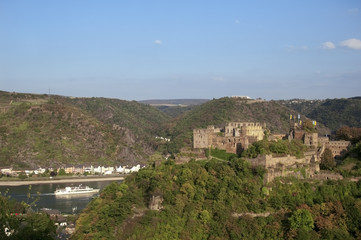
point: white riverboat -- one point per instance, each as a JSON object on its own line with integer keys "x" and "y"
{"x": 75, "y": 190}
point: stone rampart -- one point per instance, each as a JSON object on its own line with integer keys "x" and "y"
{"x": 338, "y": 148}
{"x": 288, "y": 165}
{"x": 234, "y": 137}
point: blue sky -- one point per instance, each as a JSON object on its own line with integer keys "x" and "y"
{"x": 139, "y": 50}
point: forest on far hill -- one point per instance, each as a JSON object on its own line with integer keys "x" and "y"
{"x": 333, "y": 113}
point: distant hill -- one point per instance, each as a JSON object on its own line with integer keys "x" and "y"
{"x": 302, "y": 106}
{"x": 175, "y": 107}
{"x": 39, "y": 130}
{"x": 174, "y": 102}
{"x": 333, "y": 113}
{"x": 175, "y": 111}
{"x": 336, "y": 113}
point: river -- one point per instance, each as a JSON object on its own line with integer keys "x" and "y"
{"x": 46, "y": 198}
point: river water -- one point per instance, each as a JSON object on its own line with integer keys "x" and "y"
{"x": 46, "y": 198}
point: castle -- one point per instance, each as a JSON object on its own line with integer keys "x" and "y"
{"x": 237, "y": 136}
{"x": 234, "y": 137}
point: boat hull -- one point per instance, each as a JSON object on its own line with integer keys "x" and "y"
{"x": 75, "y": 190}
{"x": 76, "y": 193}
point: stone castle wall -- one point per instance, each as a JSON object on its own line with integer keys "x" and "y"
{"x": 238, "y": 129}
{"x": 338, "y": 148}
{"x": 288, "y": 165}
{"x": 234, "y": 137}
{"x": 311, "y": 139}
{"x": 201, "y": 138}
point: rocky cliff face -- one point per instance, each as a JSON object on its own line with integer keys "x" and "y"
{"x": 155, "y": 203}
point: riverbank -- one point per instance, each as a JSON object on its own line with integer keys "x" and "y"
{"x": 67, "y": 180}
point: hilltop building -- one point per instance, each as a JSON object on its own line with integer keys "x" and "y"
{"x": 234, "y": 137}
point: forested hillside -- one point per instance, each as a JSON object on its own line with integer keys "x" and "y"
{"x": 302, "y": 106}
{"x": 333, "y": 113}
{"x": 169, "y": 102}
{"x": 221, "y": 200}
{"x": 39, "y": 130}
{"x": 336, "y": 113}
{"x": 143, "y": 120}
{"x": 175, "y": 111}
{"x": 175, "y": 107}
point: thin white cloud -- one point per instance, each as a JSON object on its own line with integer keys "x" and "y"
{"x": 328, "y": 45}
{"x": 159, "y": 42}
{"x": 352, "y": 43}
{"x": 353, "y": 10}
{"x": 237, "y": 22}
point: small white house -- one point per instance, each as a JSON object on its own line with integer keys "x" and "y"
{"x": 8, "y": 171}
{"x": 135, "y": 168}
{"x": 108, "y": 169}
{"x": 120, "y": 169}
{"x": 89, "y": 169}
{"x": 98, "y": 170}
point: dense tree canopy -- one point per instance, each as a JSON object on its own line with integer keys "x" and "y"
{"x": 18, "y": 222}
{"x": 327, "y": 160}
{"x": 220, "y": 200}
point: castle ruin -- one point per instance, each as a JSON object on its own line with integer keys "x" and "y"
{"x": 234, "y": 137}
{"x": 237, "y": 136}
{"x": 338, "y": 148}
